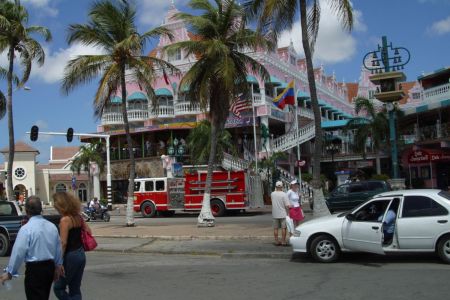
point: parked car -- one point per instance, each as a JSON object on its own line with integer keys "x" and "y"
{"x": 11, "y": 219}
{"x": 422, "y": 224}
{"x": 349, "y": 195}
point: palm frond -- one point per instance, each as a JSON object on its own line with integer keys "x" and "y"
{"x": 42, "y": 31}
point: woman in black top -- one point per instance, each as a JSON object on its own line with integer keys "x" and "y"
{"x": 74, "y": 257}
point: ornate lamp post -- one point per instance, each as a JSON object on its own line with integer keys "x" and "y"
{"x": 385, "y": 64}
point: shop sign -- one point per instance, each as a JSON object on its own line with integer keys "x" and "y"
{"x": 422, "y": 156}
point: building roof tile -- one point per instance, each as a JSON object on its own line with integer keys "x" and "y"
{"x": 20, "y": 147}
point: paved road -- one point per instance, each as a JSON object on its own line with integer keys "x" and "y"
{"x": 149, "y": 276}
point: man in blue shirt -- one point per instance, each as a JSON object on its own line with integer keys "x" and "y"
{"x": 39, "y": 245}
{"x": 389, "y": 222}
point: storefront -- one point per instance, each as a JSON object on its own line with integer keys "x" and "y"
{"x": 427, "y": 168}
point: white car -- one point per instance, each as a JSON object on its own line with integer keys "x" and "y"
{"x": 421, "y": 224}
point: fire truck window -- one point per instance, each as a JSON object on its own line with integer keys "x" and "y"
{"x": 149, "y": 186}
{"x": 160, "y": 185}
{"x": 137, "y": 186}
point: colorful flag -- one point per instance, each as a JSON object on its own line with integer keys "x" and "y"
{"x": 240, "y": 103}
{"x": 286, "y": 97}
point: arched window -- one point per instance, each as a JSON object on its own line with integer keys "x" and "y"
{"x": 82, "y": 192}
{"x": 60, "y": 187}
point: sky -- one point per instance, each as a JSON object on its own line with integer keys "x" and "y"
{"x": 422, "y": 26}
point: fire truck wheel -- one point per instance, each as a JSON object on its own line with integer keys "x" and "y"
{"x": 148, "y": 210}
{"x": 217, "y": 207}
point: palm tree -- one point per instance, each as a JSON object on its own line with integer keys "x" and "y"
{"x": 375, "y": 126}
{"x": 199, "y": 143}
{"x": 88, "y": 154}
{"x": 112, "y": 28}
{"x": 219, "y": 74}
{"x": 274, "y": 16}
{"x": 15, "y": 38}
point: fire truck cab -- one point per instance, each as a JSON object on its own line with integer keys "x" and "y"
{"x": 229, "y": 191}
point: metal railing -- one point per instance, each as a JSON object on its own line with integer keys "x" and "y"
{"x": 293, "y": 138}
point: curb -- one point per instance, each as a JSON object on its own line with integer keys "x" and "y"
{"x": 192, "y": 237}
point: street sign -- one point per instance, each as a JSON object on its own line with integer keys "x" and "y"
{"x": 300, "y": 163}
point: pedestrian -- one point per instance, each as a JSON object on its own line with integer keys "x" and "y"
{"x": 280, "y": 206}
{"x": 70, "y": 227}
{"x": 295, "y": 210}
{"x": 39, "y": 245}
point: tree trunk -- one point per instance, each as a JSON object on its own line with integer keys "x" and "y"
{"x": 9, "y": 107}
{"x": 320, "y": 208}
{"x": 206, "y": 218}
{"x": 130, "y": 196}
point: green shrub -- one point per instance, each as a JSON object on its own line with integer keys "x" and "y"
{"x": 307, "y": 177}
{"x": 380, "y": 177}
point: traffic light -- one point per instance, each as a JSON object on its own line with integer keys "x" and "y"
{"x": 69, "y": 134}
{"x": 34, "y": 133}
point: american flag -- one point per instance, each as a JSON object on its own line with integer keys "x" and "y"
{"x": 239, "y": 104}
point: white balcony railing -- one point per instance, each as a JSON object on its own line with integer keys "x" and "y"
{"x": 232, "y": 163}
{"x": 436, "y": 94}
{"x": 292, "y": 139}
{"x": 137, "y": 115}
{"x": 112, "y": 118}
{"x": 306, "y": 113}
{"x": 163, "y": 111}
{"x": 187, "y": 108}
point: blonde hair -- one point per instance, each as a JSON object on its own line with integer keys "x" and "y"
{"x": 67, "y": 204}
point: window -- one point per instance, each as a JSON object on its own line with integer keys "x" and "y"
{"x": 159, "y": 185}
{"x": 416, "y": 95}
{"x": 444, "y": 194}
{"x": 375, "y": 185}
{"x": 372, "y": 211}
{"x": 371, "y": 94}
{"x": 149, "y": 187}
{"x": 425, "y": 172}
{"x": 6, "y": 209}
{"x": 60, "y": 187}
{"x": 356, "y": 188}
{"x": 175, "y": 55}
{"x": 82, "y": 192}
{"x": 137, "y": 186}
{"x": 342, "y": 189}
{"x": 20, "y": 173}
{"x": 293, "y": 60}
{"x": 421, "y": 206}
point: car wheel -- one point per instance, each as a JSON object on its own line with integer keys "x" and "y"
{"x": 217, "y": 208}
{"x": 324, "y": 249}
{"x": 4, "y": 244}
{"x": 148, "y": 210}
{"x": 443, "y": 249}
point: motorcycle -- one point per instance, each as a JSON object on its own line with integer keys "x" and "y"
{"x": 100, "y": 214}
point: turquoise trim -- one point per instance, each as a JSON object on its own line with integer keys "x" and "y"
{"x": 445, "y": 103}
{"x": 163, "y": 92}
{"x": 334, "y": 124}
{"x": 116, "y": 100}
{"x": 136, "y": 96}
{"x": 275, "y": 81}
{"x": 422, "y": 108}
{"x": 302, "y": 94}
{"x": 252, "y": 79}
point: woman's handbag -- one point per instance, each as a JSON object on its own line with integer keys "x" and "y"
{"x": 88, "y": 241}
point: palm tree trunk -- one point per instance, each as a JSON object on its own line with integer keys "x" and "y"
{"x": 320, "y": 208}
{"x": 130, "y": 197}
{"x": 9, "y": 107}
{"x": 206, "y": 218}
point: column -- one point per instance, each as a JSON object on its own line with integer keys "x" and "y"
{"x": 95, "y": 172}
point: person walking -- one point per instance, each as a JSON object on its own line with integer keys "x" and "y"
{"x": 295, "y": 210}
{"x": 280, "y": 206}
{"x": 38, "y": 244}
{"x": 70, "y": 227}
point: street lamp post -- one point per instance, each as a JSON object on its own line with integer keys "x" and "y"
{"x": 385, "y": 65}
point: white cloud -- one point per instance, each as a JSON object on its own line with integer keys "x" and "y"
{"x": 43, "y": 5}
{"x": 53, "y": 69}
{"x": 333, "y": 44}
{"x": 440, "y": 27}
{"x": 152, "y": 12}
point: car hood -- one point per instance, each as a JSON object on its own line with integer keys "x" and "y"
{"x": 323, "y": 221}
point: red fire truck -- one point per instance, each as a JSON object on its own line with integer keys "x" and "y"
{"x": 229, "y": 191}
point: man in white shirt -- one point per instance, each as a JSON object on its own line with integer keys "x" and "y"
{"x": 280, "y": 206}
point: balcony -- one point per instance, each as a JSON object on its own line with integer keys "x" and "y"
{"x": 112, "y": 118}
{"x": 257, "y": 100}
{"x": 187, "y": 108}
{"x": 137, "y": 115}
{"x": 437, "y": 94}
{"x": 162, "y": 111}
{"x": 425, "y": 134}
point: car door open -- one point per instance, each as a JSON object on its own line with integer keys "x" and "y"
{"x": 362, "y": 230}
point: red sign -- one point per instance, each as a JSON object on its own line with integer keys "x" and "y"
{"x": 426, "y": 156}
{"x": 300, "y": 163}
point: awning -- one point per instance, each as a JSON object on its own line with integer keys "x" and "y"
{"x": 163, "y": 92}
{"x": 334, "y": 124}
{"x": 445, "y": 103}
{"x": 116, "y": 100}
{"x": 303, "y": 95}
{"x": 275, "y": 81}
{"x": 136, "y": 96}
{"x": 252, "y": 79}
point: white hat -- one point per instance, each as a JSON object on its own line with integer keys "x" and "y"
{"x": 294, "y": 182}
{"x": 279, "y": 184}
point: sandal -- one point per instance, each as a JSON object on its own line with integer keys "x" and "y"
{"x": 277, "y": 244}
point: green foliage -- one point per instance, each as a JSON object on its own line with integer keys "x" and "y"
{"x": 89, "y": 153}
{"x": 199, "y": 143}
{"x": 307, "y": 177}
{"x": 380, "y": 177}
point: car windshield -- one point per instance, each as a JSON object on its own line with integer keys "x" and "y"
{"x": 444, "y": 194}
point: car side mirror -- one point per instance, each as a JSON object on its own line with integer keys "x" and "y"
{"x": 350, "y": 217}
